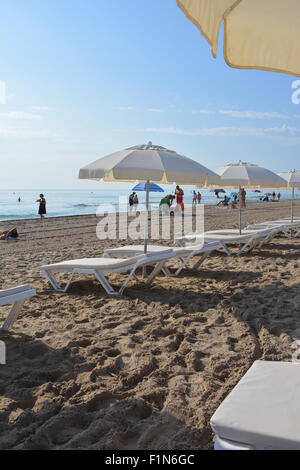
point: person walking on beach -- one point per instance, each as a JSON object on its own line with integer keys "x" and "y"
{"x": 42, "y": 207}
{"x": 179, "y": 197}
{"x": 199, "y": 197}
{"x": 243, "y": 198}
{"x": 278, "y": 197}
{"x": 273, "y": 195}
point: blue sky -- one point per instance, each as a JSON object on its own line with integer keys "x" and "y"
{"x": 85, "y": 78}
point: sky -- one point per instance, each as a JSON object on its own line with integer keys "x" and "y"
{"x": 86, "y": 78}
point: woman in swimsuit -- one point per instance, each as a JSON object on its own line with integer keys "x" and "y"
{"x": 42, "y": 207}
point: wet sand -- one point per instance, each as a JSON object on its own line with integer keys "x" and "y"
{"x": 147, "y": 370}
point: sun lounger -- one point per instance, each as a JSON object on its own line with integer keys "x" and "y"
{"x": 99, "y": 267}
{"x": 17, "y": 297}
{"x": 185, "y": 254}
{"x": 262, "y": 411}
{"x": 246, "y": 241}
{"x": 262, "y": 236}
{"x": 288, "y": 228}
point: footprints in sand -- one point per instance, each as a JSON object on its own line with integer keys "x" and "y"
{"x": 146, "y": 371}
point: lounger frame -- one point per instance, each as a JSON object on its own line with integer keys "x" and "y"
{"x": 157, "y": 260}
{"x": 246, "y": 242}
{"x": 16, "y": 296}
{"x": 201, "y": 251}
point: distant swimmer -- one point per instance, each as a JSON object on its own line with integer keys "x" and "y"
{"x": 19, "y": 199}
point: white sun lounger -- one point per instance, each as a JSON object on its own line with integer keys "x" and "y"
{"x": 286, "y": 227}
{"x": 99, "y": 267}
{"x": 185, "y": 254}
{"x": 246, "y": 241}
{"x": 262, "y": 236}
{"x": 262, "y": 411}
{"x": 17, "y": 297}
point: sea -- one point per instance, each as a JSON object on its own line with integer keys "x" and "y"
{"x": 80, "y": 202}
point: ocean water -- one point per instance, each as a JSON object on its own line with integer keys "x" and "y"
{"x": 79, "y": 202}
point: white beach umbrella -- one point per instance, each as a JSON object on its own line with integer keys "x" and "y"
{"x": 147, "y": 163}
{"x": 258, "y": 34}
{"x": 293, "y": 179}
{"x": 248, "y": 175}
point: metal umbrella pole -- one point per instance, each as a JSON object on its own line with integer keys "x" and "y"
{"x": 146, "y": 218}
{"x": 240, "y": 188}
{"x": 146, "y": 225}
{"x": 293, "y": 199}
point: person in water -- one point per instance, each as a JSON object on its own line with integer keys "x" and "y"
{"x": 42, "y": 207}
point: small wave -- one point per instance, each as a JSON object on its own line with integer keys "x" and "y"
{"x": 86, "y": 205}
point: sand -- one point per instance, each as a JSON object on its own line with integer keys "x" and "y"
{"x": 147, "y": 370}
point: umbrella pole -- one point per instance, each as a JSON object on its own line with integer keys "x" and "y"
{"x": 293, "y": 198}
{"x": 146, "y": 224}
{"x": 240, "y": 214}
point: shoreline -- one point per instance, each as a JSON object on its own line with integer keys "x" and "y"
{"x": 255, "y": 204}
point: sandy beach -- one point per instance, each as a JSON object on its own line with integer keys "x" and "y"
{"x": 146, "y": 370}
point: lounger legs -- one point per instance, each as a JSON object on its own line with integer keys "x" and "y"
{"x": 55, "y": 284}
{"x": 158, "y": 268}
{"x": 201, "y": 260}
{"x": 227, "y": 251}
{"x": 13, "y": 315}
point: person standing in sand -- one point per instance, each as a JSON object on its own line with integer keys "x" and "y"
{"x": 42, "y": 207}
{"x": 199, "y": 197}
{"x": 243, "y": 198}
{"x": 135, "y": 202}
{"x": 194, "y": 198}
{"x": 179, "y": 197}
{"x": 131, "y": 197}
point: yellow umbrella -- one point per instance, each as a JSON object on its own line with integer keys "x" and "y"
{"x": 258, "y": 34}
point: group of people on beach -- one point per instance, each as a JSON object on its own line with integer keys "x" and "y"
{"x": 165, "y": 203}
{"x": 196, "y": 198}
{"x": 233, "y": 202}
{"x": 168, "y": 201}
{"x": 270, "y": 197}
